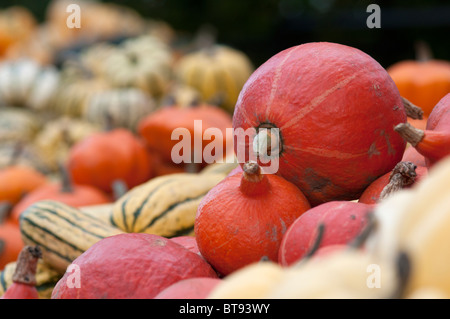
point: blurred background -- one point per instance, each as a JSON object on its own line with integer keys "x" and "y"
{"x": 261, "y": 28}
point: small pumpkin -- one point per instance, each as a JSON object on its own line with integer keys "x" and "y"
{"x": 343, "y": 221}
{"x": 24, "y": 82}
{"x": 319, "y": 146}
{"x": 65, "y": 191}
{"x": 17, "y": 24}
{"x": 18, "y": 125}
{"x": 218, "y": 72}
{"x": 143, "y": 62}
{"x": 123, "y": 266}
{"x": 17, "y": 181}
{"x": 433, "y": 142}
{"x": 105, "y": 157}
{"x": 404, "y": 175}
{"x": 59, "y": 135}
{"x": 244, "y": 217}
{"x": 423, "y": 81}
{"x": 124, "y": 108}
{"x": 10, "y": 237}
{"x": 191, "y": 123}
{"x": 46, "y": 278}
{"x": 24, "y": 154}
{"x": 24, "y": 278}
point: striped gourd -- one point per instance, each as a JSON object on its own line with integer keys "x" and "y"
{"x": 165, "y": 205}
{"x": 46, "y": 279}
{"x": 63, "y": 232}
{"x": 102, "y": 212}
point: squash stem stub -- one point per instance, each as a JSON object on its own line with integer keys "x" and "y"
{"x": 253, "y": 181}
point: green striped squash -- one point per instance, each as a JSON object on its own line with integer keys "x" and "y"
{"x": 46, "y": 279}
{"x": 63, "y": 232}
{"x": 165, "y": 205}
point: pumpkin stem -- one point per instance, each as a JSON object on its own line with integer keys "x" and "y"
{"x": 359, "y": 240}
{"x": 409, "y": 133}
{"x": 423, "y": 51}
{"x": 267, "y": 143}
{"x": 412, "y": 111}
{"x": 403, "y": 174}
{"x": 253, "y": 181}
{"x": 403, "y": 264}
{"x": 17, "y": 151}
{"x": 5, "y": 210}
{"x": 120, "y": 188}
{"x": 66, "y": 181}
{"x": 25, "y": 272}
{"x": 317, "y": 241}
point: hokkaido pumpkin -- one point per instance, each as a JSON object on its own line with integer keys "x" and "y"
{"x": 10, "y": 237}
{"x": 104, "y": 157}
{"x": 343, "y": 221}
{"x": 66, "y": 192}
{"x": 191, "y": 288}
{"x": 322, "y": 98}
{"x": 433, "y": 142}
{"x": 244, "y": 217}
{"x": 404, "y": 175}
{"x": 131, "y": 266}
{"x": 17, "y": 181}
{"x": 160, "y": 131}
{"x": 423, "y": 81}
{"x": 46, "y": 278}
{"x": 24, "y": 279}
{"x": 412, "y": 155}
{"x": 17, "y": 24}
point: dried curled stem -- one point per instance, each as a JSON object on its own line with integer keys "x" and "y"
{"x": 403, "y": 174}
{"x": 412, "y": 111}
{"x": 25, "y": 272}
{"x": 409, "y": 133}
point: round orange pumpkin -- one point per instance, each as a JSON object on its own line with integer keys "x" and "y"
{"x": 423, "y": 81}
{"x": 105, "y": 157}
{"x": 69, "y": 193}
{"x": 17, "y": 180}
{"x": 243, "y": 218}
{"x": 10, "y": 236}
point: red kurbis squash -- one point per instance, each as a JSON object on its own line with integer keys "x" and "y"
{"x": 105, "y": 157}
{"x": 24, "y": 279}
{"x": 243, "y": 218}
{"x": 130, "y": 266}
{"x": 433, "y": 142}
{"x": 335, "y": 108}
{"x": 343, "y": 221}
{"x": 404, "y": 175}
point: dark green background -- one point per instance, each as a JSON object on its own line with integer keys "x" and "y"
{"x": 262, "y": 28}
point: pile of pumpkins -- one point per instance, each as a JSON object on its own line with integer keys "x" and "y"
{"x": 93, "y": 205}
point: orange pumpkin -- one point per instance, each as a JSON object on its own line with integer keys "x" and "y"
{"x": 244, "y": 217}
{"x": 157, "y": 128}
{"x": 66, "y": 192}
{"x": 423, "y": 81}
{"x": 17, "y": 180}
{"x": 10, "y": 237}
{"x": 17, "y": 24}
{"x": 105, "y": 157}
